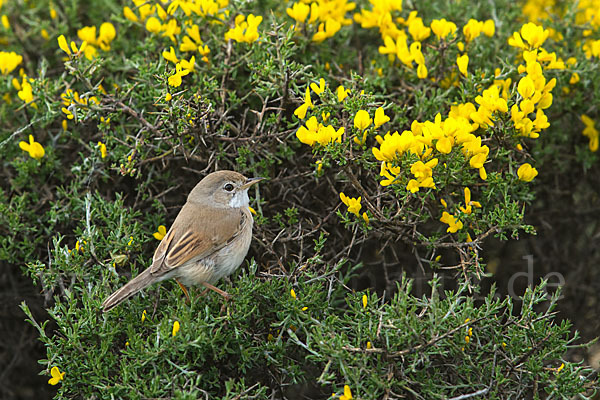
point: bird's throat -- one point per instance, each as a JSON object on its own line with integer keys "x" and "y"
{"x": 239, "y": 199}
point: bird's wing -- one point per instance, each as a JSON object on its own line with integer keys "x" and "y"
{"x": 194, "y": 235}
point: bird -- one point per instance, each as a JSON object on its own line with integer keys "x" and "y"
{"x": 208, "y": 240}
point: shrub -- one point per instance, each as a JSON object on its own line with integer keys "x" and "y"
{"x": 382, "y": 128}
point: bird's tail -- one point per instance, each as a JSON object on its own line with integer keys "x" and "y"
{"x": 138, "y": 283}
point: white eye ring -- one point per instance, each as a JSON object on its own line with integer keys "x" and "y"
{"x": 228, "y": 187}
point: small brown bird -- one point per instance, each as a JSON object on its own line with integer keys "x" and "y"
{"x": 208, "y": 240}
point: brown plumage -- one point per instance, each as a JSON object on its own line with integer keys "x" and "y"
{"x": 208, "y": 240}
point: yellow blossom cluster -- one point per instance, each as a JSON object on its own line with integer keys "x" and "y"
{"x": 106, "y": 35}
{"x": 315, "y": 132}
{"x": 328, "y": 16}
{"x": 192, "y": 42}
{"x": 362, "y": 120}
{"x": 162, "y": 22}
{"x": 587, "y": 15}
{"x": 423, "y": 139}
{"x": 245, "y": 30}
{"x": 397, "y": 31}
{"x": 534, "y": 90}
{"x": 146, "y": 10}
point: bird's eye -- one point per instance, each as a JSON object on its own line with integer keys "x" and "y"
{"x": 228, "y": 187}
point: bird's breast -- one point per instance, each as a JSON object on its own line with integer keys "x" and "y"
{"x": 229, "y": 258}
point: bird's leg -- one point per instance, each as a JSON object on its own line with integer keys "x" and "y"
{"x": 223, "y": 293}
{"x": 187, "y": 296}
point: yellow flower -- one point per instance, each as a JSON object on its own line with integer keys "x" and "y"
{"x": 293, "y": 294}
{"x": 301, "y": 111}
{"x": 418, "y": 30}
{"x": 299, "y": 12}
{"x": 9, "y": 61}
{"x": 188, "y": 65}
{"x": 170, "y": 29}
{"x": 102, "y": 149}
{"x": 574, "y": 78}
{"x": 362, "y": 120}
{"x": 421, "y": 71}
{"x": 153, "y": 25}
{"x": 422, "y": 170}
{"x": 246, "y": 30}
{"x": 591, "y": 132}
{"x": 62, "y": 43}
{"x": 160, "y": 233}
{"x": 489, "y": 28}
{"x": 347, "y": 393}
{"x": 168, "y": 97}
{"x": 462, "y": 62}
{"x": 175, "y": 328}
{"x": 453, "y": 223}
{"x": 106, "y": 35}
{"x": 320, "y": 88}
{"x": 26, "y": 92}
{"x": 130, "y": 15}
{"x": 469, "y": 204}
{"x": 352, "y": 203}
{"x": 472, "y": 29}
{"x": 315, "y": 132}
{"x": 170, "y": 55}
{"x": 342, "y": 93}
{"x": 144, "y": 315}
{"x": 526, "y": 87}
{"x": 380, "y": 117}
{"x": 57, "y": 376}
{"x": 326, "y": 30}
{"x": 526, "y": 172}
{"x": 478, "y": 160}
{"x": 365, "y": 218}
{"x": 412, "y": 186}
{"x": 442, "y": 28}
{"x": 444, "y": 145}
{"x": 34, "y": 149}
{"x": 364, "y": 300}
{"x": 531, "y": 33}
{"x": 175, "y": 79}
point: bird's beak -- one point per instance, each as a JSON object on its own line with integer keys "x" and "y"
{"x": 250, "y": 182}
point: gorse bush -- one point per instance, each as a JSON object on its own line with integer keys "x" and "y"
{"x": 383, "y": 128}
